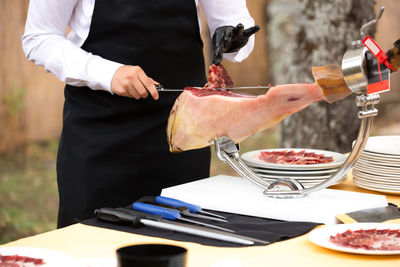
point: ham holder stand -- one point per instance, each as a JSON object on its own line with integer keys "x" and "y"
{"x": 363, "y": 80}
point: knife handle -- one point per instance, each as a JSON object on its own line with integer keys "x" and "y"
{"x": 178, "y": 203}
{"x": 159, "y": 87}
{"x": 156, "y": 210}
{"x": 121, "y": 215}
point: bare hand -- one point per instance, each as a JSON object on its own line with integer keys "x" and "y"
{"x": 132, "y": 81}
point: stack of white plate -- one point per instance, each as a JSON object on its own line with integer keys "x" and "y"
{"x": 308, "y": 174}
{"x": 378, "y": 168}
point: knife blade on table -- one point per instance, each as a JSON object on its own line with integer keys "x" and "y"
{"x": 160, "y": 88}
{"x": 122, "y": 215}
{"x": 192, "y": 208}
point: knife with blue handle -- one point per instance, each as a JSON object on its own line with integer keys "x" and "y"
{"x": 178, "y": 203}
{"x": 171, "y": 215}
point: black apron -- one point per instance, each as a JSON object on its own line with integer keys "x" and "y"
{"x": 114, "y": 149}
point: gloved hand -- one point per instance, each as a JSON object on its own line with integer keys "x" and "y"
{"x": 229, "y": 39}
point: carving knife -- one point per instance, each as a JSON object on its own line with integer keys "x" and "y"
{"x": 161, "y": 88}
{"x": 122, "y": 215}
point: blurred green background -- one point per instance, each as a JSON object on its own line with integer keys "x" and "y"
{"x": 28, "y": 189}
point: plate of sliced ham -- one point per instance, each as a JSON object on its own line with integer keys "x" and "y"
{"x": 294, "y": 159}
{"x": 33, "y": 257}
{"x": 359, "y": 238}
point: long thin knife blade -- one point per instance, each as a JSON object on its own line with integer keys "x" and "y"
{"x": 205, "y": 224}
{"x": 199, "y": 231}
{"x": 162, "y": 89}
{"x": 169, "y": 90}
{"x": 244, "y": 88}
{"x": 218, "y": 232}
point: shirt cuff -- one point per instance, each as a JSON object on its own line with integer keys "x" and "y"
{"x": 101, "y": 73}
{"x": 245, "y": 51}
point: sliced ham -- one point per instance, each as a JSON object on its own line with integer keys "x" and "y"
{"x": 218, "y": 77}
{"x": 200, "y": 115}
{"x": 295, "y": 158}
{"x": 370, "y": 239}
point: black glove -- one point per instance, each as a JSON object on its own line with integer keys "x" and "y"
{"x": 229, "y": 39}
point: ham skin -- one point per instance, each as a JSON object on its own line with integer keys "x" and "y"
{"x": 330, "y": 79}
{"x": 196, "y": 119}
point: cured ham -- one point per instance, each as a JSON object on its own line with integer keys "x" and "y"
{"x": 218, "y": 77}
{"x": 371, "y": 239}
{"x": 295, "y": 158}
{"x": 200, "y": 115}
{"x": 19, "y": 261}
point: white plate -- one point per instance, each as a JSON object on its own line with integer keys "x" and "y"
{"x": 320, "y": 237}
{"x": 252, "y": 158}
{"x": 380, "y": 157}
{"x": 381, "y": 168}
{"x": 376, "y": 164}
{"x": 389, "y": 144}
{"x": 378, "y": 186}
{"x": 52, "y": 258}
{"x": 299, "y": 180}
{"x": 376, "y": 182}
{"x": 379, "y": 161}
{"x": 292, "y": 172}
{"x": 377, "y": 172}
{"x": 377, "y": 176}
{"x": 301, "y": 177}
{"x": 378, "y": 189}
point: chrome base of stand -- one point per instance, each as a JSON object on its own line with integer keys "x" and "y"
{"x": 228, "y": 151}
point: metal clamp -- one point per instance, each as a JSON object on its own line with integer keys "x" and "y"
{"x": 367, "y": 104}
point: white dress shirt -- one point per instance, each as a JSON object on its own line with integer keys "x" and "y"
{"x": 46, "y": 44}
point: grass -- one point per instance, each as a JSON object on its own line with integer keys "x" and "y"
{"x": 28, "y": 187}
{"x": 28, "y": 192}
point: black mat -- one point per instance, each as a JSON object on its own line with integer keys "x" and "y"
{"x": 261, "y": 228}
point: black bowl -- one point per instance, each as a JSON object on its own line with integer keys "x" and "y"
{"x": 151, "y": 255}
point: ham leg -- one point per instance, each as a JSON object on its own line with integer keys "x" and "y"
{"x": 195, "y": 120}
{"x": 200, "y": 115}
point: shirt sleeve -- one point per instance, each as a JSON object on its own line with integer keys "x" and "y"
{"x": 229, "y": 12}
{"x": 44, "y": 42}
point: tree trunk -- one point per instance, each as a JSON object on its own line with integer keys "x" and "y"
{"x": 310, "y": 33}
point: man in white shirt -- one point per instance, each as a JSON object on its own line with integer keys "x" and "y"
{"x": 113, "y": 148}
